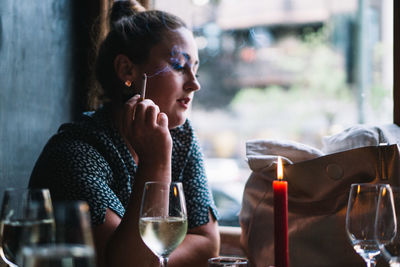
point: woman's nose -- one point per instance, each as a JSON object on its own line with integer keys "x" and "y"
{"x": 192, "y": 84}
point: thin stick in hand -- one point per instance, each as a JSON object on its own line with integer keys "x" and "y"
{"x": 143, "y": 90}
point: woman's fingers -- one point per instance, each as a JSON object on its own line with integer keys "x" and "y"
{"x": 144, "y": 112}
{"x": 147, "y": 112}
{"x": 162, "y": 119}
{"x": 146, "y": 130}
{"x": 152, "y": 112}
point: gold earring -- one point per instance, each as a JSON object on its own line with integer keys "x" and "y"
{"x": 128, "y": 83}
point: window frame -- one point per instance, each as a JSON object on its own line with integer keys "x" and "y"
{"x": 396, "y": 62}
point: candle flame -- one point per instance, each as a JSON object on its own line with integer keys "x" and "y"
{"x": 383, "y": 191}
{"x": 175, "y": 191}
{"x": 280, "y": 169}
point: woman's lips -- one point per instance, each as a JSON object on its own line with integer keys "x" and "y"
{"x": 184, "y": 102}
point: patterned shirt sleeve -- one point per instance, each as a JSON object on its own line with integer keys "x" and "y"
{"x": 74, "y": 170}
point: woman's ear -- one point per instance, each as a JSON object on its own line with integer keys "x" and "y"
{"x": 124, "y": 68}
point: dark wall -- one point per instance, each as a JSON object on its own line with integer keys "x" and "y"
{"x": 38, "y": 86}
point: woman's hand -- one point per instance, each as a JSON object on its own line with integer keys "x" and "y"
{"x": 146, "y": 133}
{"x": 146, "y": 130}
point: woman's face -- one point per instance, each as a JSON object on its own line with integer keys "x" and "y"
{"x": 171, "y": 75}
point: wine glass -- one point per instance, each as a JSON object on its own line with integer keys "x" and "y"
{"x": 387, "y": 234}
{"x": 163, "y": 218}
{"x": 360, "y": 221}
{"x": 26, "y": 218}
{"x": 73, "y": 245}
{"x": 227, "y": 261}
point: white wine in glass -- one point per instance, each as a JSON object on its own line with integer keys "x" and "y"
{"x": 387, "y": 232}
{"x": 26, "y": 219}
{"x": 163, "y": 218}
{"x": 360, "y": 221}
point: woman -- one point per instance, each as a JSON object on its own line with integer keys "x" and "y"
{"x": 106, "y": 157}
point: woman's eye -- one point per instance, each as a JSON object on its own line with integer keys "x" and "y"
{"x": 178, "y": 66}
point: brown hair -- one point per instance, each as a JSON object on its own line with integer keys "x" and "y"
{"x": 133, "y": 32}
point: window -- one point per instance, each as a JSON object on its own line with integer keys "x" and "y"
{"x": 285, "y": 69}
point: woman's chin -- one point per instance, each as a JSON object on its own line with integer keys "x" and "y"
{"x": 176, "y": 122}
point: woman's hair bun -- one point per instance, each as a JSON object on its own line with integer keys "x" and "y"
{"x": 124, "y": 8}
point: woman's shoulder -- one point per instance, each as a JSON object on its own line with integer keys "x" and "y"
{"x": 92, "y": 127}
{"x": 87, "y": 135}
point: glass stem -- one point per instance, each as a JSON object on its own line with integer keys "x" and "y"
{"x": 163, "y": 262}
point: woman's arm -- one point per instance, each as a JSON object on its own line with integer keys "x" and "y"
{"x": 200, "y": 244}
{"x": 118, "y": 241}
{"x": 125, "y": 247}
{"x": 145, "y": 131}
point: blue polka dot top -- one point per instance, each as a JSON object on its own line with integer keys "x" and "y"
{"x": 88, "y": 160}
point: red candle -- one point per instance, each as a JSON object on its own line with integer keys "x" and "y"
{"x": 281, "y": 219}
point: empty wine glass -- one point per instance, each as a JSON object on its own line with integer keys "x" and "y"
{"x": 26, "y": 219}
{"x": 73, "y": 246}
{"x": 387, "y": 234}
{"x": 163, "y": 218}
{"x": 360, "y": 221}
